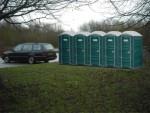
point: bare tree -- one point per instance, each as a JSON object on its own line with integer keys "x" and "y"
{"x": 106, "y": 26}
{"x": 12, "y": 9}
{"x": 138, "y": 10}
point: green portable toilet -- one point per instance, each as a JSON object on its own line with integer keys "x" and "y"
{"x": 81, "y": 51}
{"x": 96, "y": 48}
{"x": 112, "y": 49}
{"x": 131, "y": 49}
{"x": 65, "y": 47}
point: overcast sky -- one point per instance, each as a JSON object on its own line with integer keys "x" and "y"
{"x": 72, "y": 18}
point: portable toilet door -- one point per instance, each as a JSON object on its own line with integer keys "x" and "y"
{"x": 96, "y": 48}
{"x": 131, "y": 52}
{"x": 72, "y": 50}
{"x": 80, "y": 48}
{"x": 126, "y": 51}
{"x": 111, "y": 48}
{"x": 64, "y": 48}
{"x": 87, "y": 50}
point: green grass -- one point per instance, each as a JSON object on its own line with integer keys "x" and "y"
{"x": 54, "y": 88}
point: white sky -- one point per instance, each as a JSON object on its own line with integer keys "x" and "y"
{"x": 73, "y": 18}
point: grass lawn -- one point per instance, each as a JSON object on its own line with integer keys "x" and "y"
{"x": 54, "y": 88}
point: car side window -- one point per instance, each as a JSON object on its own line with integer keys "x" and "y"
{"x": 27, "y": 47}
{"x": 18, "y": 48}
{"x": 37, "y": 47}
{"x": 48, "y": 46}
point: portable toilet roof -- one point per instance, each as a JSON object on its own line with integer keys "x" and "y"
{"x": 131, "y": 33}
{"x": 83, "y": 33}
{"x": 101, "y": 33}
{"x": 68, "y": 33}
{"x": 116, "y": 33}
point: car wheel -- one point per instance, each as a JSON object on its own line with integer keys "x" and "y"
{"x": 6, "y": 59}
{"x": 31, "y": 60}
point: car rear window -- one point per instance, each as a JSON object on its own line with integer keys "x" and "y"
{"x": 48, "y": 46}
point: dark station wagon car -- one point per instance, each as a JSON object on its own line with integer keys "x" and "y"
{"x": 30, "y": 52}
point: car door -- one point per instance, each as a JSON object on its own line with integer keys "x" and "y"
{"x": 26, "y": 51}
{"x": 15, "y": 55}
{"x": 37, "y": 51}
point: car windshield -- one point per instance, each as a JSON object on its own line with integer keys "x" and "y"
{"x": 48, "y": 46}
{"x": 18, "y": 47}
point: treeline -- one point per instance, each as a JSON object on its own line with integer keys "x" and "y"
{"x": 114, "y": 25}
{"x": 11, "y": 35}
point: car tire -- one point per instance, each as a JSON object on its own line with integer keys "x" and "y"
{"x": 31, "y": 60}
{"x": 6, "y": 59}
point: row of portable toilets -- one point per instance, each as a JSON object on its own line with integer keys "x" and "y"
{"x": 112, "y": 49}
